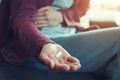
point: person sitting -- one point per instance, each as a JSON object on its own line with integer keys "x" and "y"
{"x": 94, "y": 48}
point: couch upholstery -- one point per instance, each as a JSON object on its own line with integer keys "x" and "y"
{"x": 11, "y": 72}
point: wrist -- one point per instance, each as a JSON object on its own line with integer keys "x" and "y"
{"x": 60, "y": 16}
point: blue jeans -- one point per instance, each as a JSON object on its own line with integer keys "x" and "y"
{"x": 97, "y": 49}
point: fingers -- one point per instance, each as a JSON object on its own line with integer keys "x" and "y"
{"x": 44, "y": 8}
{"x": 74, "y": 63}
{"x": 42, "y": 12}
{"x": 41, "y": 25}
{"x": 48, "y": 61}
{"x": 41, "y": 21}
{"x": 65, "y": 65}
{"x": 39, "y": 18}
{"x": 73, "y": 59}
{"x": 61, "y": 67}
{"x": 74, "y": 66}
{"x": 49, "y": 15}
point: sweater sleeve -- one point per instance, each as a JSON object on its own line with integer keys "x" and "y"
{"x": 23, "y": 27}
{"x": 73, "y": 14}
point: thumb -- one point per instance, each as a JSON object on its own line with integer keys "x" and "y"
{"x": 47, "y": 61}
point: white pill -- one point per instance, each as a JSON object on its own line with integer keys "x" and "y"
{"x": 58, "y": 54}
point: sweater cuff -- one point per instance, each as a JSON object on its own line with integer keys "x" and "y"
{"x": 39, "y": 48}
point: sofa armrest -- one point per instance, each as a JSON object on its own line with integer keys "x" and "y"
{"x": 102, "y": 18}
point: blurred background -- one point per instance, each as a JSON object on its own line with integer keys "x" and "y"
{"x": 105, "y": 13}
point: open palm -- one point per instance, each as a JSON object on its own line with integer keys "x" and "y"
{"x": 64, "y": 61}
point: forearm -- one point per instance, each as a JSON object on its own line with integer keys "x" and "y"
{"x": 30, "y": 37}
{"x": 73, "y": 14}
{"x": 24, "y": 29}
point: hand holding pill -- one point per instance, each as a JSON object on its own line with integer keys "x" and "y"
{"x": 57, "y": 58}
{"x": 58, "y": 54}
